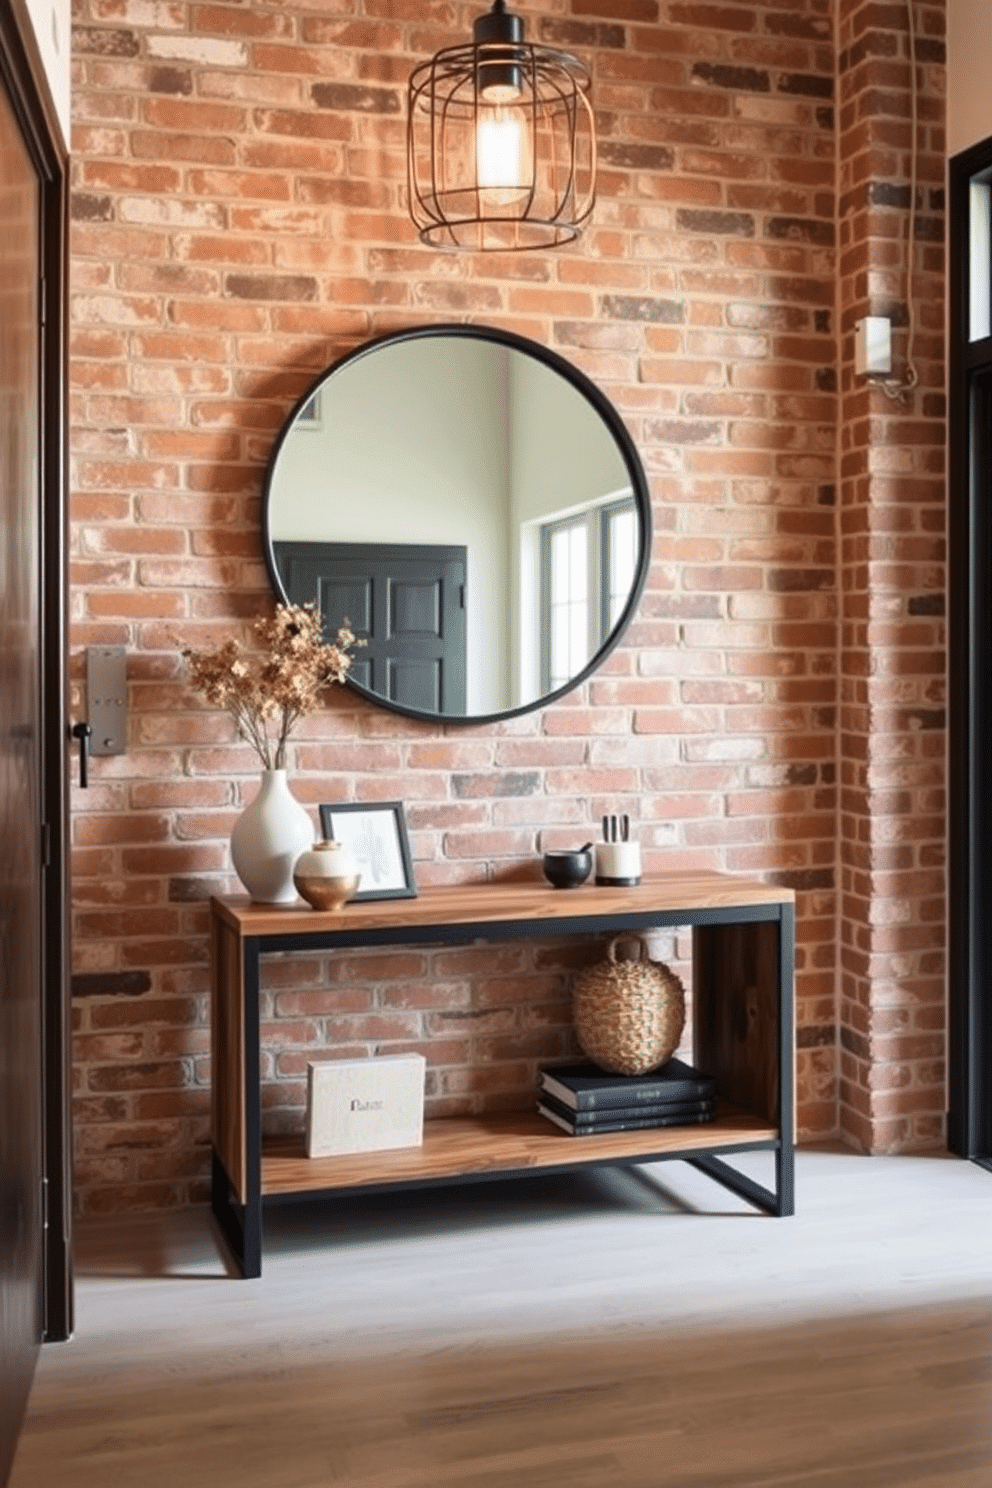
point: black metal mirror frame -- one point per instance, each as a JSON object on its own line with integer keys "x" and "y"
{"x": 602, "y": 405}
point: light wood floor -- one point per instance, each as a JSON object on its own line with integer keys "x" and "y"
{"x": 632, "y": 1331}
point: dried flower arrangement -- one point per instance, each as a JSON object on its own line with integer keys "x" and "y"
{"x": 269, "y": 692}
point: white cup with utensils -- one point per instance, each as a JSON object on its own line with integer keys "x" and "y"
{"x": 618, "y": 863}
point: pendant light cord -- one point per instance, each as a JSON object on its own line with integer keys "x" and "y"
{"x": 896, "y": 388}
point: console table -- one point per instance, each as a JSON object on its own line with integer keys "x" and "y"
{"x": 742, "y": 986}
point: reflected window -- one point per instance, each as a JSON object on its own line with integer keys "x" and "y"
{"x": 589, "y": 560}
{"x": 980, "y": 258}
{"x": 567, "y": 570}
{"x": 620, "y": 530}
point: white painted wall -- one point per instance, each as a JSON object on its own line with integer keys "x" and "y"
{"x": 564, "y": 456}
{"x": 969, "y": 73}
{"x": 51, "y": 21}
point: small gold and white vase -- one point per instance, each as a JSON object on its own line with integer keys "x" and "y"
{"x": 326, "y": 875}
{"x": 267, "y": 839}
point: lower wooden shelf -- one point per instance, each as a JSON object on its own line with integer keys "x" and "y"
{"x": 459, "y": 1147}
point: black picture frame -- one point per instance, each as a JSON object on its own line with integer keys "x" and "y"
{"x": 376, "y": 833}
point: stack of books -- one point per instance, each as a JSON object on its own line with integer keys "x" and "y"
{"x": 583, "y": 1100}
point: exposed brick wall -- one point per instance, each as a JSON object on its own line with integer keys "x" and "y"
{"x": 893, "y": 804}
{"x": 238, "y": 223}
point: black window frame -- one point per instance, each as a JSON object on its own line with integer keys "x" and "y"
{"x": 969, "y": 470}
{"x": 597, "y": 519}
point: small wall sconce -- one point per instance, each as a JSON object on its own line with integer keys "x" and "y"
{"x": 873, "y": 346}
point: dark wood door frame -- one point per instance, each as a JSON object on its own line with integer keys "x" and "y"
{"x": 970, "y": 678}
{"x": 22, "y": 75}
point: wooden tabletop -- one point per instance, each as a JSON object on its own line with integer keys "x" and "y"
{"x": 493, "y": 903}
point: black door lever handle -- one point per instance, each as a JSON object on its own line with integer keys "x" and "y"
{"x": 82, "y": 732}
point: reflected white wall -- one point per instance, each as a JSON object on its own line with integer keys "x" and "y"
{"x": 412, "y": 448}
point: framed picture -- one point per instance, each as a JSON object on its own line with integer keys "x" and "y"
{"x": 309, "y": 415}
{"x": 376, "y": 833}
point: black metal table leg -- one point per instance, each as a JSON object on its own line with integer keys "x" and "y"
{"x": 251, "y": 980}
{"x": 240, "y": 1224}
{"x": 738, "y": 1183}
{"x": 785, "y": 1157}
{"x": 785, "y": 1166}
{"x": 230, "y": 1216}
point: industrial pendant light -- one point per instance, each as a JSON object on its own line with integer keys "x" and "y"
{"x": 501, "y": 143}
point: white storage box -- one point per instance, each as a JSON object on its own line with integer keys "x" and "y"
{"x": 365, "y": 1105}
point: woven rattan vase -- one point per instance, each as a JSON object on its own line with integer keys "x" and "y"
{"x": 628, "y": 1015}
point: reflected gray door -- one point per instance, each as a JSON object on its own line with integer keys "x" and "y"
{"x": 405, "y": 600}
{"x": 21, "y": 888}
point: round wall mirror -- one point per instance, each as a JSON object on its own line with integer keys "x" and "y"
{"x": 473, "y": 505}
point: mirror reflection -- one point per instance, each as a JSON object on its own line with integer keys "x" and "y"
{"x": 474, "y": 507}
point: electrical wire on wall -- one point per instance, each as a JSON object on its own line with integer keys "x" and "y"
{"x": 904, "y": 387}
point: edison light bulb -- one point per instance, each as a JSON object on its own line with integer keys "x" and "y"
{"x": 503, "y": 154}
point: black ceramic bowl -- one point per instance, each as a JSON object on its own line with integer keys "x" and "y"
{"x": 566, "y": 870}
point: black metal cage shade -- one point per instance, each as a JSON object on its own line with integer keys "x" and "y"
{"x": 501, "y": 146}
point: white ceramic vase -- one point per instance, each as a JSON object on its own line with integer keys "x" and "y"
{"x": 267, "y": 839}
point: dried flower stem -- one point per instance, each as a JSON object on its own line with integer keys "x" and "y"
{"x": 268, "y": 693}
